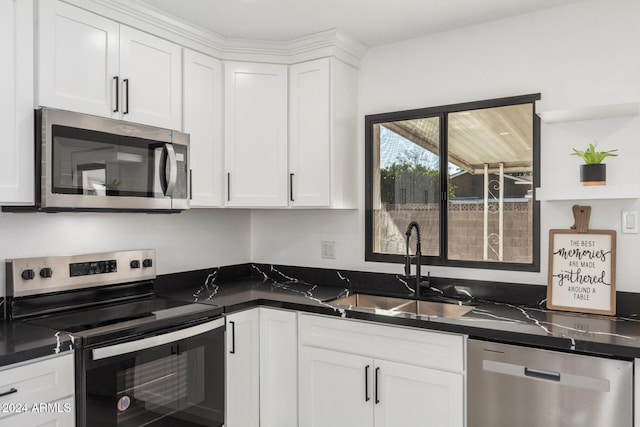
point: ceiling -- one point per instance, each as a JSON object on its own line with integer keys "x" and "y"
{"x": 372, "y": 22}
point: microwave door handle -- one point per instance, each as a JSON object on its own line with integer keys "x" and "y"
{"x": 171, "y": 169}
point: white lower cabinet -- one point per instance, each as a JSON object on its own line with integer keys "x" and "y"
{"x": 362, "y": 374}
{"x": 414, "y": 396}
{"x": 261, "y": 370}
{"x": 38, "y": 393}
{"x": 335, "y": 388}
{"x": 278, "y": 368}
{"x": 243, "y": 369}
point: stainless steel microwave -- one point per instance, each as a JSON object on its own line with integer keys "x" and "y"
{"x": 89, "y": 163}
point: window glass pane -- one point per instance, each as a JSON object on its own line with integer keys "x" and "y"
{"x": 490, "y": 209}
{"x": 406, "y": 184}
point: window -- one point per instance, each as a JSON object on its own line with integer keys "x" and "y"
{"x": 466, "y": 174}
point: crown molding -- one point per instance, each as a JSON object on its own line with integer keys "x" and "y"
{"x": 135, "y": 13}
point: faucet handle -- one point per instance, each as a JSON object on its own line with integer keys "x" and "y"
{"x": 407, "y": 265}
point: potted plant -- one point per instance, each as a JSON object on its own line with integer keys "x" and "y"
{"x": 593, "y": 171}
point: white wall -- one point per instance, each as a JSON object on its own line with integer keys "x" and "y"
{"x": 190, "y": 240}
{"x": 578, "y": 55}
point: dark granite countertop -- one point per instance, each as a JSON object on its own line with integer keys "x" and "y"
{"x": 497, "y": 321}
{"x": 248, "y": 286}
{"x": 20, "y": 341}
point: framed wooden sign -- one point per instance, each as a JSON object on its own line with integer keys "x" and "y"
{"x": 582, "y": 271}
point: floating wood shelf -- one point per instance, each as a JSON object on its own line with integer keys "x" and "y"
{"x": 591, "y": 113}
{"x": 605, "y": 192}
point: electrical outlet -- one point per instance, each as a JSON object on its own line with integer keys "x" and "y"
{"x": 328, "y": 250}
{"x": 629, "y": 222}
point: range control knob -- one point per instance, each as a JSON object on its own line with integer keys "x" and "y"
{"x": 28, "y": 274}
{"x": 46, "y": 272}
{"x": 134, "y": 263}
{"x": 147, "y": 262}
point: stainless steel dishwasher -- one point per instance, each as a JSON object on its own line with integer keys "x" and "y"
{"x": 511, "y": 386}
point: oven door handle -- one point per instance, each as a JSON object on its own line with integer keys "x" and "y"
{"x": 145, "y": 343}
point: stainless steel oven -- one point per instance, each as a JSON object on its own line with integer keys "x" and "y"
{"x": 94, "y": 163}
{"x": 141, "y": 359}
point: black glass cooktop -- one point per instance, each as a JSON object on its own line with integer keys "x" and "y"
{"x": 124, "y": 319}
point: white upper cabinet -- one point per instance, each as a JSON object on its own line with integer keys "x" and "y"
{"x": 322, "y": 140}
{"x": 78, "y": 59}
{"x": 93, "y": 65}
{"x": 16, "y": 102}
{"x": 256, "y": 134}
{"x": 151, "y": 73}
{"x": 203, "y": 122}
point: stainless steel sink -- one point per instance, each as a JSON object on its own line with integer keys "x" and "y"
{"x": 372, "y": 302}
{"x": 442, "y": 309}
{"x": 398, "y": 306}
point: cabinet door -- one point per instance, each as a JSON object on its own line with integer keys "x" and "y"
{"x": 278, "y": 368}
{"x": 78, "y": 60}
{"x": 310, "y": 133}
{"x": 203, "y": 122}
{"x": 151, "y": 79}
{"x": 243, "y": 369}
{"x": 407, "y": 396}
{"x": 256, "y": 134}
{"x": 335, "y": 389}
{"x": 16, "y": 102}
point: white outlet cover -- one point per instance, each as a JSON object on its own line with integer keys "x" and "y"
{"x": 629, "y": 222}
{"x": 328, "y": 250}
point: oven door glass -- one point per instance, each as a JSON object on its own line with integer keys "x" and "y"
{"x": 93, "y": 163}
{"x": 177, "y": 384}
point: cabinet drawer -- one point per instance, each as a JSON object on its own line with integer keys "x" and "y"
{"x": 60, "y": 413}
{"x": 35, "y": 383}
{"x": 400, "y": 344}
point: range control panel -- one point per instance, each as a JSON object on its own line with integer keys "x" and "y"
{"x": 33, "y": 276}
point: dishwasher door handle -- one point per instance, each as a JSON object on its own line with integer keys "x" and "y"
{"x": 564, "y": 378}
{"x": 542, "y": 375}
